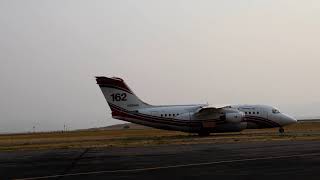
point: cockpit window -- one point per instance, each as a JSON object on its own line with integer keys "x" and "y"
{"x": 275, "y": 111}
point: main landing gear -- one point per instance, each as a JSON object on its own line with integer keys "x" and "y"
{"x": 281, "y": 130}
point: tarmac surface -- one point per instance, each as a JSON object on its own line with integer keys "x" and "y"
{"x": 253, "y": 160}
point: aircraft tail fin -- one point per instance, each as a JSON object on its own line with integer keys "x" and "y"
{"x": 119, "y": 95}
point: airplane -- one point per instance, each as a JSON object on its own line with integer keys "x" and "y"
{"x": 202, "y": 119}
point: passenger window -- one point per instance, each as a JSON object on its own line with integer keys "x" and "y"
{"x": 165, "y": 115}
{"x": 161, "y": 115}
{"x": 249, "y": 112}
{"x": 258, "y": 113}
{"x": 169, "y": 114}
{"x": 253, "y": 112}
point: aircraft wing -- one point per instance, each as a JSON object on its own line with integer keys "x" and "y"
{"x": 209, "y": 111}
{"x": 209, "y": 116}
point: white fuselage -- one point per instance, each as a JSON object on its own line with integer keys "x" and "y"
{"x": 182, "y": 118}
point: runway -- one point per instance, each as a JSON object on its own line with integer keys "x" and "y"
{"x": 263, "y": 160}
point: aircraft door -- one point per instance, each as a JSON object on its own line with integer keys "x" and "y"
{"x": 264, "y": 113}
{"x": 155, "y": 113}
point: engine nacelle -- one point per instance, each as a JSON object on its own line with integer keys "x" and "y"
{"x": 234, "y": 117}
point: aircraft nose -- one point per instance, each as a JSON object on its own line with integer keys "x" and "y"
{"x": 288, "y": 119}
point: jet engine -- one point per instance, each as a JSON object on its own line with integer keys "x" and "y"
{"x": 234, "y": 117}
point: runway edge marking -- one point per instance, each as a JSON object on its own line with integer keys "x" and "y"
{"x": 168, "y": 167}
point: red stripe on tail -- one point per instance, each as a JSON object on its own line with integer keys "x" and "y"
{"x": 113, "y": 82}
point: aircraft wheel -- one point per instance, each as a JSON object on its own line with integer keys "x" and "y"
{"x": 281, "y": 130}
{"x": 204, "y": 133}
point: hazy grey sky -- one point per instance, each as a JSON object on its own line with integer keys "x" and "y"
{"x": 169, "y": 52}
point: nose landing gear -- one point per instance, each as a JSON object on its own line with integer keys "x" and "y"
{"x": 281, "y": 130}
